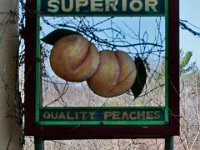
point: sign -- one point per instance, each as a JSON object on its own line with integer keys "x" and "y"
{"x": 101, "y": 116}
{"x": 100, "y": 122}
{"x": 109, "y": 7}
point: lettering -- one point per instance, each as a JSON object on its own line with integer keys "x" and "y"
{"x": 156, "y": 115}
{"x": 124, "y": 5}
{"x": 69, "y": 117}
{"x": 107, "y": 115}
{"x": 112, "y": 6}
{"x": 53, "y": 6}
{"x": 150, "y": 115}
{"x": 46, "y": 115}
{"x": 125, "y": 116}
{"x": 102, "y": 116}
{"x": 73, "y": 116}
{"x": 151, "y": 4}
{"x": 116, "y": 115}
{"x": 92, "y": 115}
{"x": 80, "y": 3}
{"x": 96, "y": 6}
{"x": 70, "y": 7}
{"x": 61, "y": 116}
{"x": 136, "y": 5}
{"x": 141, "y": 114}
{"x": 83, "y": 115}
{"x": 132, "y": 116}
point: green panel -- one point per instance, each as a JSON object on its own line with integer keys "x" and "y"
{"x": 103, "y": 7}
{"x": 102, "y": 115}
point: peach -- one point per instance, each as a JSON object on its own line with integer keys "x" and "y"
{"x": 115, "y": 74}
{"x": 73, "y": 58}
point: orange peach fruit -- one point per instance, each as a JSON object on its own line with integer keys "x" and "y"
{"x": 115, "y": 74}
{"x": 74, "y": 58}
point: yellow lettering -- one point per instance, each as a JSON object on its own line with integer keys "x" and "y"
{"x": 69, "y": 117}
{"x": 53, "y": 6}
{"x": 125, "y": 116}
{"x": 91, "y": 115}
{"x": 54, "y": 115}
{"x": 151, "y": 4}
{"x": 115, "y": 115}
{"x": 46, "y": 115}
{"x": 124, "y": 5}
{"x": 83, "y": 113}
{"x": 136, "y": 5}
{"x": 96, "y": 5}
{"x": 133, "y": 116}
{"x": 149, "y": 115}
{"x": 80, "y": 3}
{"x": 141, "y": 115}
{"x": 111, "y": 4}
{"x": 107, "y": 114}
{"x": 157, "y": 115}
{"x": 70, "y": 7}
{"x": 61, "y": 116}
{"x": 76, "y": 115}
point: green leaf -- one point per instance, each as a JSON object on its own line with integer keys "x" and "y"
{"x": 54, "y": 36}
{"x": 186, "y": 59}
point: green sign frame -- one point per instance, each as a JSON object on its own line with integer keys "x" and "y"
{"x": 41, "y": 121}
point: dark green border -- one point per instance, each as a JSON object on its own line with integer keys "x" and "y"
{"x": 38, "y": 65}
{"x": 139, "y": 123}
{"x": 167, "y": 61}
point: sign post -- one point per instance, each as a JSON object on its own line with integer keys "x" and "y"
{"x": 9, "y": 42}
{"x": 101, "y": 122}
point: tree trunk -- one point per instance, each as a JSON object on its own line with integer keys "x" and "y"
{"x": 9, "y": 129}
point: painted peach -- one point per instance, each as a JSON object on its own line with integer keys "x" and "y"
{"x": 115, "y": 74}
{"x": 73, "y": 58}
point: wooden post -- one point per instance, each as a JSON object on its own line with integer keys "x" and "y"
{"x": 169, "y": 145}
{"x": 39, "y": 143}
{"x": 9, "y": 129}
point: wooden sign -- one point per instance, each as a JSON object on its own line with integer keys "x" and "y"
{"x": 100, "y": 122}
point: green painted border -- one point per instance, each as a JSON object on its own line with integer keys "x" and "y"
{"x": 139, "y": 123}
{"x": 109, "y": 107}
{"x": 38, "y": 65}
{"x": 77, "y": 123}
{"x": 167, "y": 61}
{"x": 105, "y": 15}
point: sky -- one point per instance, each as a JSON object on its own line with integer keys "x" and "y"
{"x": 190, "y": 11}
